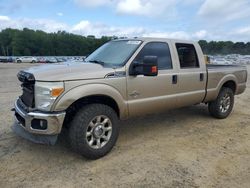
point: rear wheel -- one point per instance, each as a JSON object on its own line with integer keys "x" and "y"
{"x": 223, "y": 105}
{"x": 94, "y": 131}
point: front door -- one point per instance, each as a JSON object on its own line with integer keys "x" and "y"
{"x": 153, "y": 94}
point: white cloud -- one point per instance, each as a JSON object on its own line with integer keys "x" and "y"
{"x": 224, "y": 10}
{"x": 82, "y": 25}
{"x": 190, "y": 2}
{"x": 244, "y": 30}
{"x": 4, "y": 18}
{"x": 133, "y": 6}
{"x": 92, "y": 3}
{"x": 85, "y": 27}
{"x": 200, "y": 34}
{"x": 59, "y": 14}
{"x": 149, "y": 8}
{"x": 241, "y": 34}
{"x": 37, "y": 24}
{"x": 176, "y": 35}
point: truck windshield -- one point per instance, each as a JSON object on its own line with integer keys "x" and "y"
{"x": 114, "y": 53}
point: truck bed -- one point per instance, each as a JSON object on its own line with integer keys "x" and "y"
{"x": 216, "y": 74}
{"x": 214, "y": 66}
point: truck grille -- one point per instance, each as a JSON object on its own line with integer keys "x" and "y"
{"x": 28, "y": 82}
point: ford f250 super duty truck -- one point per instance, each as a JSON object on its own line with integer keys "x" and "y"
{"x": 121, "y": 79}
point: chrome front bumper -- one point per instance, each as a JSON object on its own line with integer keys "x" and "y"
{"x": 25, "y": 120}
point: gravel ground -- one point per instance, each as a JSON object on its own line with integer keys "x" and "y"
{"x": 179, "y": 148}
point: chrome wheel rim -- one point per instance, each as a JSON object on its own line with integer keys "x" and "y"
{"x": 225, "y": 103}
{"x": 99, "y": 132}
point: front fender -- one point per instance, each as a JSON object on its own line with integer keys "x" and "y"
{"x": 87, "y": 90}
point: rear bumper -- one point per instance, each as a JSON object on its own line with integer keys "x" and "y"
{"x": 51, "y": 122}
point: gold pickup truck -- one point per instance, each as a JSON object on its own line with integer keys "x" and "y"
{"x": 121, "y": 79}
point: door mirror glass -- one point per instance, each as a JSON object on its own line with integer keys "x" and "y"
{"x": 149, "y": 67}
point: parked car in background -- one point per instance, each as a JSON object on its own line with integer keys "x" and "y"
{"x": 60, "y": 59}
{"x": 51, "y": 60}
{"x": 41, "y": 60}
{"x": 3, "y": 59}
{"x": 11, "y": 59}
{"x": 26, "y": 59}
{"x": 6, "y": 59}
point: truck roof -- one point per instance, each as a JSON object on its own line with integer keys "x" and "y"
{"x": 148, "y": 39}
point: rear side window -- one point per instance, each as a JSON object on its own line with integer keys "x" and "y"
{"x": 187, "y": 56}
{"x": 159, "y": 49}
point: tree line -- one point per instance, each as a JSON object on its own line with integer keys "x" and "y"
{"x": 27, "y": 42}
{"x": 225, "y": 47}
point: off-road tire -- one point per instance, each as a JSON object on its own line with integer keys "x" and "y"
{"x": 214, "y": 107}
{"x": 79, "y": 125}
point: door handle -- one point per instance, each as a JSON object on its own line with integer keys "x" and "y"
{"x": 201, "y": 77}
{"x": 174, "y": 79}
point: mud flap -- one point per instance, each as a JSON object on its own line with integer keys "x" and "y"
{"x": 39, "y": 139}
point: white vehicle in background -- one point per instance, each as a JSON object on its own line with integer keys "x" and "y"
{"x": 51, "y": 60}
{"x": 26, "y": 59}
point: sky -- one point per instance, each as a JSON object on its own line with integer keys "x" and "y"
{"x": 183, "y": 19}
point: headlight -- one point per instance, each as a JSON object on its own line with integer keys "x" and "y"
{"x": 46, "y": 94}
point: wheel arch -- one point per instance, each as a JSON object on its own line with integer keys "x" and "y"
{"x": 92, "y": 99}
{"x": 93, "y": 93}
{"x": 229, "y": 81}
{"x": 230, "y": 84}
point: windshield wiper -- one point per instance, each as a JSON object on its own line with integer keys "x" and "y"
{"x": 97, "y": 62}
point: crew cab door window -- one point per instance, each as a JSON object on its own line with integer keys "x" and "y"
{"x": 159, "y": 49}
{"x": 187, "y": 56}
{"x": 191, "y": 77}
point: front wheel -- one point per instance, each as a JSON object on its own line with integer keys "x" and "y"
{"x": 223, "y": 105}
{"x": 94, "y": 131}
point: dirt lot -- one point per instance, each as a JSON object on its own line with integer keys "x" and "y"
{"x": 179, "y": 148}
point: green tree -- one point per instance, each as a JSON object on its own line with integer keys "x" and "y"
{"x": 39, "y": 43}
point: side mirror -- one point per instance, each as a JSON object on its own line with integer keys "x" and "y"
{"x": 149, "y": 67}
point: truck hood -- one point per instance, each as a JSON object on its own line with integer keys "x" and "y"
{"x": 69, "y": 71}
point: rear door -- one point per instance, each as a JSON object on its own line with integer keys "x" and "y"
{"x": 191, "y": 76}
